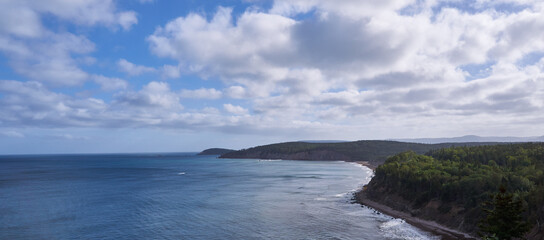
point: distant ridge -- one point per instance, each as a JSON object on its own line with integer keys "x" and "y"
{"x": 323, "y": 141}
{"x": 472, "y": 138}
{"x": 215, "y": 151}
{"x": 373, "y": 152}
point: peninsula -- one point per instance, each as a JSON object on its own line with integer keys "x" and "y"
{"x": 436, "y": 187}
{"x": 215, "y": 151}
{"x": 371, "y": 152}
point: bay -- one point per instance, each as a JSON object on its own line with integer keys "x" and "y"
{"x": 184, "y": 196}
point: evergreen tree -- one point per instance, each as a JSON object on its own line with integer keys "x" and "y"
{"x": 504, "y": 219}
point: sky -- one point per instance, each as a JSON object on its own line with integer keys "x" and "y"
{"x": 92, "y": 76}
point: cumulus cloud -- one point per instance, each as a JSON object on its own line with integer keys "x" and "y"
{"x": 19, "y": 21}
{"x": 14, "y": 134}
{"x": 42, "y": 54}
{"x": 354, "y": 58}
{"x": 127, "y": 19}
{"x": 154, "y": 95}
{"x": 350, "y": 8}
{"x": 234, "y": 109}
{"x": 48, "y": 60}
{"x": 218, "y": 48}
{"x": 133, "y": 69}
{"x": 32, "y": 104}
{"x": 110, "y": 84}
{"x": 169, "y": 71}
{"x": 350, "y": 68}
{"x": 236, "y": 92}
{"x": 91, "y": 12}
{"x": 201, "y": 93}
{"x": 70, "y": 137}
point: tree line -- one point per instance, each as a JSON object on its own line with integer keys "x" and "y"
{"x": 468, "y": 177}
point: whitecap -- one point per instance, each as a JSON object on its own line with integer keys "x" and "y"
{"x": 340, "y": 195}
{"x": 399, "y": 229}
{"x": 181, "y": 173}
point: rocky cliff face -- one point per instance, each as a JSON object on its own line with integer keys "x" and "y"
{"x": 537, "y": 233}
{"x": 452, "y": 216}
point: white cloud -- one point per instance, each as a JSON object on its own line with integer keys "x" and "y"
{"x": 31, "y": 104}
{"x": 110, "y": 84}
{"x": 83, "y": 12}
{"x": 169, "y": 71}
{"x": 350, "y": 69}
{"x": 201, "y": 93}
{"x": 153, "y": 95}
{"x": 127, "y": 19}
{"x": 49, "y": 60}
{"x": 352, "y": 9}
{"x": 50, "y": 55}
{"x": 67, "y": 136}
{"x": 236, "y": 92}
{"x": 219, "y": 48}
{"x": 366, "y": 62}
{"x": 14, "y": 134}
{"x": 238, "y": 110}
{"x": 133, "y": 69}
{"x": 19, "y": 21}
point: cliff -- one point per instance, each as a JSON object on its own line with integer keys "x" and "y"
{"x": 398, "y": 207}
{"x": 449, "y": 186}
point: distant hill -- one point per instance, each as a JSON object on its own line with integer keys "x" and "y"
{"x": 375, "y": 152}
{"x": 472, "y": 138}
{"x": 323, "y": 141}
{"x": 215, "y": 151}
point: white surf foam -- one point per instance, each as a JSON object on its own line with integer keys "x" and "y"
{"x": 341, "y": 195}
{"x": 399, "y": 229}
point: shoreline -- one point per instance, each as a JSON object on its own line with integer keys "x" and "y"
{"x": 367, "y": 164}
{"x": 425, "y": 225}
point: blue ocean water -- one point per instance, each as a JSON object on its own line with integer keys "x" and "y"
{"x": 183, "y": 196}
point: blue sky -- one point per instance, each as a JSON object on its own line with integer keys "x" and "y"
{"x": 89, "y": 76}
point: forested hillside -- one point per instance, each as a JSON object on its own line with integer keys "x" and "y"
{"x": 215, "y": 151}
{"x": 373, "y": 151}
{"x": 450, "y": 185}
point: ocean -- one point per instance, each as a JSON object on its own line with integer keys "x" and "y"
{"x": 184, "y": 196}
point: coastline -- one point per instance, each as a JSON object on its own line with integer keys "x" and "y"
{"x": 367, "y": 164}
{"x": 429, "y": 226}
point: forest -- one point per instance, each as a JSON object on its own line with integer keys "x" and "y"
{"x": 375, "y": 152}
{"x": 459, "y": 180}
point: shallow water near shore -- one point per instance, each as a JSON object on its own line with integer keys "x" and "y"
{"x": 183, "y": 196}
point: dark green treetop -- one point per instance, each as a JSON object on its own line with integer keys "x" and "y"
{"x": 504, "y": 218}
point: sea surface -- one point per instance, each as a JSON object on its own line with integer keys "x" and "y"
{"x": 183, "y": 196}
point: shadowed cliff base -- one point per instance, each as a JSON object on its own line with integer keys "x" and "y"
{"x": 430, "y": 226}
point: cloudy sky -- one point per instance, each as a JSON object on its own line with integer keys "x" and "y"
{"x": 160, "y": 75}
